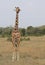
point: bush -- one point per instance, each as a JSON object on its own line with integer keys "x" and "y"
{"x": 9, "y": 39}
{"x": 25, "y": 39}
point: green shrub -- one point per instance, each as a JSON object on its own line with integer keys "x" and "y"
{"x": 9, "y": 39}
{"x": 25, "y": 39}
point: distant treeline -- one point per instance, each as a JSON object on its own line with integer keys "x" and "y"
{"x": 29, "y": 31}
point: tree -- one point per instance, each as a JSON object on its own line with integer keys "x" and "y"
{"x": 23, "y": 32}
{"x": 43, "y": 31}
{"x": 0, "y": 30}
{"x": 30, "y": 30}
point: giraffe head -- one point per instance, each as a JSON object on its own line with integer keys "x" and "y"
{"x": 17, "y": 9}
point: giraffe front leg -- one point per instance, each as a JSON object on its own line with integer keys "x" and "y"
{"x": 17, "y": 55}
{"x": 13, "y": 56}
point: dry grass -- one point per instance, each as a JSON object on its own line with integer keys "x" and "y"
{"x": 31, "y": 52}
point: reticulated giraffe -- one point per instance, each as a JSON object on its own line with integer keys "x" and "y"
{"x": 16, "y": 37}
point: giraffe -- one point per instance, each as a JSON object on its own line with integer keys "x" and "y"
{"x": 16, "y": 37}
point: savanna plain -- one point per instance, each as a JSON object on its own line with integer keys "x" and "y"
{"x": 32, "y": 52}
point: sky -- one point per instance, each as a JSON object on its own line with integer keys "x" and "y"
{"x": 32, "y": 12}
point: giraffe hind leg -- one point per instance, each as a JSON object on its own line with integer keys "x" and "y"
{"x": 13, "y": 56}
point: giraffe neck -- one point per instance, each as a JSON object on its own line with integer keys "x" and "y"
{"x": 16, "y": 22}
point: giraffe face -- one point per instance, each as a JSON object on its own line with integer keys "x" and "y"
{"x": 17, "y": 9}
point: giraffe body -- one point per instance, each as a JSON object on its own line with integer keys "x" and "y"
{"x": 16, "y": 37}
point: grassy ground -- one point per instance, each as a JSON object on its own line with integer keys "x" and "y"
{"x": 31, "y": 52}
